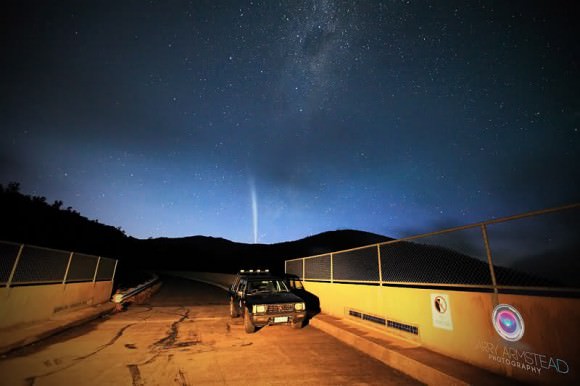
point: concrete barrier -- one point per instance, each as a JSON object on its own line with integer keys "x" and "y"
{"x": 34, "y": 303}
{"x": 459, "y": 324}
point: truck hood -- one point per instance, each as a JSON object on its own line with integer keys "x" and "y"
{"x": 273, "y": 298}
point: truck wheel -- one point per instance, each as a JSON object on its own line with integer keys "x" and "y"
{"x": 233, "y": 311}
{"x": 298, "y": 325}
{"x": 248, "y": 325}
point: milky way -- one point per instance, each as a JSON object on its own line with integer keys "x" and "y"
{"x": 395, "y": 117}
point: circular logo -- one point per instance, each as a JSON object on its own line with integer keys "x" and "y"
{"x": 508, "y": 322}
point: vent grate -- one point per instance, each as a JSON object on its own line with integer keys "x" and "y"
{"x": 403, "y": 327}
{"x": 384, "y": 322}
{"x": 374, "y": 319}
{"x": 356, "y": 314}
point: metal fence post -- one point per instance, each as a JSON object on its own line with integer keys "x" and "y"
{"x": 303, "y": 269}
{"x": 67, "y": 268}
{"x": 332, "y": 268}
{"x": 96, "y": 269}
{"x": 114, "y": 270}
{"x": 14, "y": 266}
{"x": 380, "y": 266}
{"x": 489, "y": 260}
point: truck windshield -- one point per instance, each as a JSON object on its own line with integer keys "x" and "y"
{"x": 267, "y": 285}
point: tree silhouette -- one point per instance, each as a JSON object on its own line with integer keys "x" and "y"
{"x": 13, "y": 188}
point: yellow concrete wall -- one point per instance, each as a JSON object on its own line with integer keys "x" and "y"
{"x": 27, "y": 304}
{"x": 78, "y": 294}
{"x": 548, "y": 352}
{"x": 102, "y": 292}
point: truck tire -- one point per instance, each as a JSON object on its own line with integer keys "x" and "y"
{"x": 234, "y": 313}
{"x": 298, "y": 325}
{"x": 248, "y": 325}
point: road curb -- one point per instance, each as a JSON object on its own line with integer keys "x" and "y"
{"x": 428, "y": 367}
{"x": 392, "y": 358}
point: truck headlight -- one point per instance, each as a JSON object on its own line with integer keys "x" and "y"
{"x": 258, "y": 309}
{"x": 299, "y": 306}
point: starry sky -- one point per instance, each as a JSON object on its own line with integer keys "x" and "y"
{"x": 268, "y": 121}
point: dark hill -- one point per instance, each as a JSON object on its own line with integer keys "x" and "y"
{"x": 209, "y": 253}
{"x": 30, "y": 220}
{"x": 33, "y": 221}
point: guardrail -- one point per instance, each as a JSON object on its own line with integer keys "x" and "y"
{"x": 129, "y": 295}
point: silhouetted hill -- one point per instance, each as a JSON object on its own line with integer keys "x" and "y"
{"x": 560, "y": 265}
{"x": 331, "y": 241}
{"x": 30, "y": 220}
{"x": 209, "y": 253}
{"x": 414, "y": 262}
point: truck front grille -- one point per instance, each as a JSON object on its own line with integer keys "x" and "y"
{"x": 280, "y": 308}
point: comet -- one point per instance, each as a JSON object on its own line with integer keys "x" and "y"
{"x": 254, "y": 198}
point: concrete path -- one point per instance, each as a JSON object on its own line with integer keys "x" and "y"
{"x": 184, "y": 336}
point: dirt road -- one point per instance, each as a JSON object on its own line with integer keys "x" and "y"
{"x": 184, "y": 336}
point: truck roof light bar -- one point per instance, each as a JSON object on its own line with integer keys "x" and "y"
{"x": 255, "y": 271}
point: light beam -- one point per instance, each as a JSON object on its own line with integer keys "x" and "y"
{"x": 254, "y": 198}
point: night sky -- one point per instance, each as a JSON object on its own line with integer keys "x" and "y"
{"x": 267, "y": 121}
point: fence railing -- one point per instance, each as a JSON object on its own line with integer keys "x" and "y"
{"x": 535, "y": 251}
{"x": 26, "y": 265}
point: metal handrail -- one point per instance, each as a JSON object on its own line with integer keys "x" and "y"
{"x": 122, "y": 297}
{"x": 493, "y": 285}
{"x": 448, "y": 230}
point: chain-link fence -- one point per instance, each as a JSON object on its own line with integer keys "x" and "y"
{"x": 25, "y": 265}
{"x": 534, "y": 251}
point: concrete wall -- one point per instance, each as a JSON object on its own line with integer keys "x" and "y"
{"x": 35, "y": 303}
{"x": 548, "y": 352}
